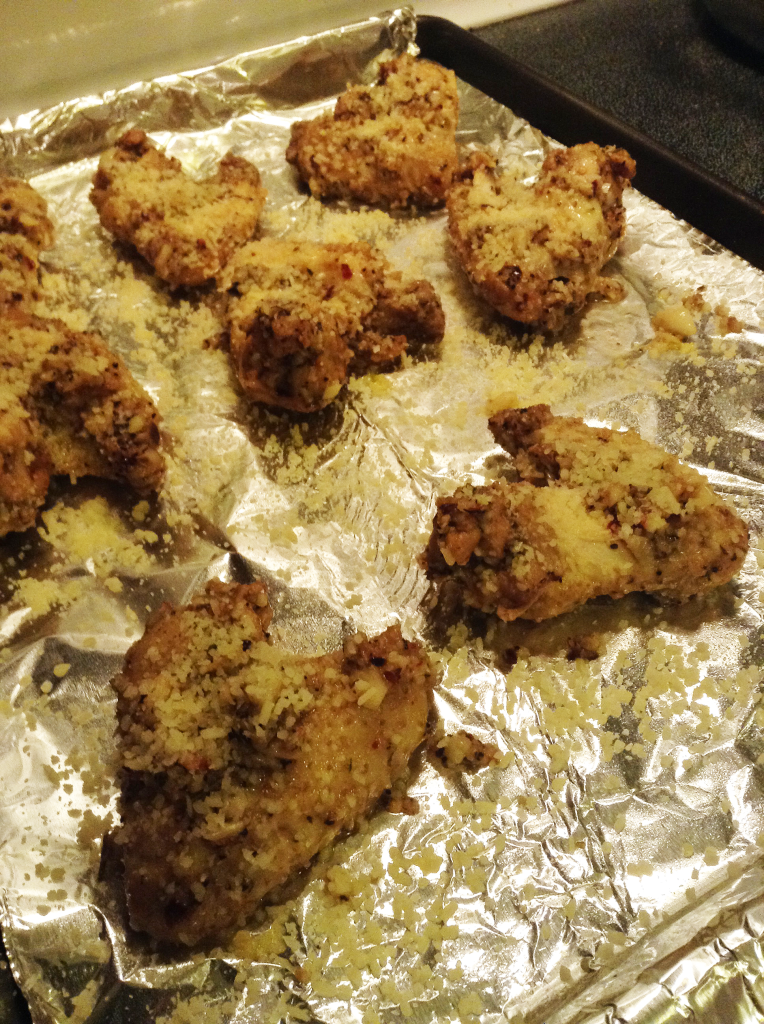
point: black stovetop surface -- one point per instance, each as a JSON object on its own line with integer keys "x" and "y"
{"x": 661, "y": 66}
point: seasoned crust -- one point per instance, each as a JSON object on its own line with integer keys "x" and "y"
{"x": 187, "y": 230}
{"x": 67, "y": 405}
{"x": 595, "y": 513}
{"x": 303, "y": 316}
{"x": 240, "y": 762}
{"x": 535, "y": 252}
{"x": 23, "y": 211}
{"x": 25, "y": 229}
{"x": 25, "y": 467}
{"x": 19, "y": 270}
{"x": 392, "y": 143}
{"x": 213, "y": 633}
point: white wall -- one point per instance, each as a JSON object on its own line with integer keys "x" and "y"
{"x": 55, "y": 49}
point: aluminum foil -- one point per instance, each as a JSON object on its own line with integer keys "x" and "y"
{"x": 571, "y": 880}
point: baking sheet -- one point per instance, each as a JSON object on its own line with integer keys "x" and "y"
{"x": 555, "y": 885}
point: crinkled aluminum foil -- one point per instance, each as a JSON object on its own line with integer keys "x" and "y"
{"x": 550, "y": 912}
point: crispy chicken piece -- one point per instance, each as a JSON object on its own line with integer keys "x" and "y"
{"x": 24, "y": 464}
{"x": 23, "y": 211}
{"x": 25, "y": 230}
{"x": 303, "y": 316}
{"x": 67, "y": 405}
{"x": 19, "y": 270}
{"x": 535, "y": 252}
{"x": 595, "y": 513}
{"x": 187, "y": 230}
{"x": 393, "y": 142}
{"x": 240, "y": 761}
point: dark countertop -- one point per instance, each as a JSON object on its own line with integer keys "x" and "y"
{"x": 661, "y": 66}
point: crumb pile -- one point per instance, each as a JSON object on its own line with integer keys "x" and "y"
{"x": 595, "y": 513}
{"x": 89, "y": 537}
{"x": 25, "y": 229}
{"x": 186, "y": 230}
{"x": 240, "y": 761}
{"x": 303, "y": 315}
{"x": 393, "y": 142}
{"x": 536, "y": 252}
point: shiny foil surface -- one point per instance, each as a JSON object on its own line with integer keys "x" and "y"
{"x": 607, "y": 864}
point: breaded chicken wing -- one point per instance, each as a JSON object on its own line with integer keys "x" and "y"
{"x": 303, "y": 316}
{"x": 595, "y": 513}
{"x": 67, "y": 405}
{"x": 240, "y": 761}
{"x": 187, "y": 230}
{"x": 25, "y": 467}
{"x": 392, "y": 143}
{"x": 25, "y": 230}
{"x": 23, "y": 211}
{"x": 535, "y": 252}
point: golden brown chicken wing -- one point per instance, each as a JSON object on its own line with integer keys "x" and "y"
{"x": 595, "y": 513}
{"x": 241, "y": 761}
{"x": 187, "y": 230}
{"x": 25, "y": 467}
{"x": 67, "y": 405}
{"x": 393, "y": 142}
{"x": 303, "y": 315}
{"x": 25, "y": 230}
{"x": 535, "y": 252}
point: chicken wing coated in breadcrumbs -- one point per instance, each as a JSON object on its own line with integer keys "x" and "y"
{"x": 25, "y": 230}
{"x": 187, "y": 230}
{"x": 241, "y": 761}
{"x": 535, "y": 252}
{"x": 392, "y": 143}
{"x": 303, "y": 315}
{"x": 595, "y": 513}
{"x": 67, "y": 405}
